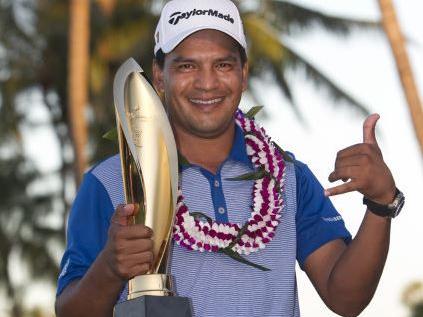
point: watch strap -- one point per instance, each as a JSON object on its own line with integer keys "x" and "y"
{"x": 392, "y": 210}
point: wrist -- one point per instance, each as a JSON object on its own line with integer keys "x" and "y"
{"x": 390, "y": 209}
{"x": 387, "y": 198}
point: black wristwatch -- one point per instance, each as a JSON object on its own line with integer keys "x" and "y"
{"x": 390, "y": 211}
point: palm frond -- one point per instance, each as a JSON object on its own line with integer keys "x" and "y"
{"x": 42, "y": 264}
{"x": 267, "y": 49}
{"x": 264, "y": 38}
{"x": 118, "y": 42}
{"x": 278, "y": 73}
{"x": 267, "y": 54}
{"x": 289, "y": 17}
{"x": 322, "y": 81}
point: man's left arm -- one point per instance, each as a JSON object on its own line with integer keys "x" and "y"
{"x": 346, "y": 277}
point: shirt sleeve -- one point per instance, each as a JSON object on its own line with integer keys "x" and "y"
{"x": 87, "y": 230}
{"x": 317, "y": 220}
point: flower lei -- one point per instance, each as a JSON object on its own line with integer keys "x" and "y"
{"x": 234, "y": 239}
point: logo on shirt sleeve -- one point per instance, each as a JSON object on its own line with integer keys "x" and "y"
{"x": 332, "y": 219}
{"x": 65, "y": 269}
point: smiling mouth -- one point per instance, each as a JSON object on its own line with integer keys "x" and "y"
{"x": 205, "y": 102}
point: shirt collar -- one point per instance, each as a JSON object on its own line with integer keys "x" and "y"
{"x": 238, "y": 152}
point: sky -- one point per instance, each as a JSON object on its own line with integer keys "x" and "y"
{"x": 364, "y": 65}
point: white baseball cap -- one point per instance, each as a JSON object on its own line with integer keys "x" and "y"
{"x": 181, "y": 18}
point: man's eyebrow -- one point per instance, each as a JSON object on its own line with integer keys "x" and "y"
{"x": 181, "y": 59}
{"x": 229, "y": 58}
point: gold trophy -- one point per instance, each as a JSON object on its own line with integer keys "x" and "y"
{"x": 150, "y": 180}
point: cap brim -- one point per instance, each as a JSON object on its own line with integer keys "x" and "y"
{"x": 171, "y": 44}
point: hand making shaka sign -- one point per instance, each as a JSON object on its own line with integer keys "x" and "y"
{"x": 362, "y": 168}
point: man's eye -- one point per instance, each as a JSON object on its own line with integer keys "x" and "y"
{"x": 224, "y": 66}
{"x": 186, "y": 66}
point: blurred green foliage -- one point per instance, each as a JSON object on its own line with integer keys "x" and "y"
{"x": 412, "y": 297}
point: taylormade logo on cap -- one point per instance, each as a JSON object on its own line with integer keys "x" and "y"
{"x": 177, "y": 16}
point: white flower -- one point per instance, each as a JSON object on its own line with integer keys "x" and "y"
{"x": 261, "y": 154}
{"x": 245, "y": 238}
{"x": 263, "y": 161}
{"x": 258, "y": 199}
{"x": 215, "y": 226}
{"x": 262, "y": 224}
{"x": 250, "y": 150}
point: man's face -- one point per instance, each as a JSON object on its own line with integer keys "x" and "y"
{"x": 202, "y": 80}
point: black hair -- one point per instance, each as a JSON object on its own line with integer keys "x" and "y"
{"x": 160, "y": 56}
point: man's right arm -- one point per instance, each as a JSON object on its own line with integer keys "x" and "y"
{"x": 127, "y": 253}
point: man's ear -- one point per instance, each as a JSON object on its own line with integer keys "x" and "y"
{"x": 245, "y": 72}
{"x": 158, "y": 78}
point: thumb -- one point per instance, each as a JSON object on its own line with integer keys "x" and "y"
{"x": 122, "y": 214}
{"x": 369, "y": 128}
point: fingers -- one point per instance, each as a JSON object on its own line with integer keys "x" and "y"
{"x": 128, "y": 247}
{"x": 126, "y": 264}
{"x": 127, "y": 272}
{"x": 353, "y": 168}
{"x": 353, "y": 160}
{"x": 135, "y": 237}
{"x": 134, "y": 232}
{"x": 145, "y": 257}
{"x": 369, "y": 127}
{"x": 136, "y": 270}
{"x": 348, "y": 172}
{"x": 362, "y": 164}
{"x": 122, "y": 213}
{"x": 341, "y": 189}
{"x": 359, "y": 149}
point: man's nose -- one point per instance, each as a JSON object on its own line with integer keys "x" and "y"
{"x": 207, "y": 79}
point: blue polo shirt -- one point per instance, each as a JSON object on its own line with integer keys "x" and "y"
{"x": 216, "y": 284}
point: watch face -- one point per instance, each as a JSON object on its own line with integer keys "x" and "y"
{"x": 397, "y": 201}
{"x": 399, "y": 205}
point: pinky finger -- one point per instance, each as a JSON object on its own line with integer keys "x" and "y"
{"x": 140, "y": 269}
{"x": 341, "y": 189}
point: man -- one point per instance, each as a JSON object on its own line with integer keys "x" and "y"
{"x": 201, "y": 71}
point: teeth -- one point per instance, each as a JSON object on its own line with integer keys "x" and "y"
{"x": 206, "y": 102}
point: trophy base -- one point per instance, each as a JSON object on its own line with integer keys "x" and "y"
{"x": 154, "y": 306}
{"x": 150, "y": 284}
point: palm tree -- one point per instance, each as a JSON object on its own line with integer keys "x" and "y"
{"x": 24, "y": 202}
{"x": 79, "y": 27}
{"x": 397, "y": 42}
